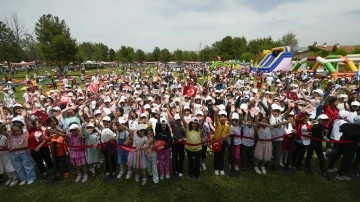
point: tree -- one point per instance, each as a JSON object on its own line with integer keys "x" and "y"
{"x": 224, "y": 48}
{"x": 100, "y": 53}
{"x": 86, "y": 50}
{"x": 247, "y": 56}
{"x": 111, "y": 55}
{"x": 178, "y": 55}
{"x": 55, "y": 42}
{"x": 125, "y": 54}
{"x": 156, "y": 54}
{"x": 10, "y": 50}
{"x": 165, "y": 55}
{"x": 28, "y": 44}
{"x": 258, "y": 45}
{"x": 17, "y": 26}
{"x": 356, "y": 50}
{"x": 289, "y": 39}
{"x": 239, "y": 46}
{"x": 140, "y": 56}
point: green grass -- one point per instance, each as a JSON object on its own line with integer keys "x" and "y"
{"x": 248, "y": 186}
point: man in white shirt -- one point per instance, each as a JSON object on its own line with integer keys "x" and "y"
{"x": 96, "y": 79}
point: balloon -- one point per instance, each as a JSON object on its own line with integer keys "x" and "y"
{"x": 159, "y": 143}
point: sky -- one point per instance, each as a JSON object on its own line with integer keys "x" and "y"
{"x": 184, "y": 24}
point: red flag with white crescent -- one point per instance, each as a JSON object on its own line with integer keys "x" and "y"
{"x": 292, "y": 95}
{"x": 190, "y": 91}
{"x": 216, "y": 145}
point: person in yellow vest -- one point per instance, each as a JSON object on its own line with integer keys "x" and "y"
{"x": 193, "y": 144}
{"x": 222, "y": 130}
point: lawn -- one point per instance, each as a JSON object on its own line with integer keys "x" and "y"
{"x": 248, "y": 186}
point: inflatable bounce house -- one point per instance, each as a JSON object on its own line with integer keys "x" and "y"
{"x": 279, "y": 59}
{"x": 328, "y": 62}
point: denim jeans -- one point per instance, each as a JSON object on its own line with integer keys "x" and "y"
{"x": 24, "y": 165}
{"x": 152, "y": 167}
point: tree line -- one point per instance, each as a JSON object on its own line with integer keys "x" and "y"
{"x": 52, "y": 43}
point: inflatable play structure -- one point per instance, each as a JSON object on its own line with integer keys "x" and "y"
{"x": 328, "y": 61}
{"x": 278, "y": 60}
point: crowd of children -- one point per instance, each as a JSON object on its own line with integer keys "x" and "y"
{"x": 278, "y": 121}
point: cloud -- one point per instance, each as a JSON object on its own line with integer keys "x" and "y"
{"x": 185, "y": 23}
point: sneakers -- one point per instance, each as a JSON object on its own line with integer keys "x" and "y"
{"x": 121, "y": 173}
{"x": 78, "y": 178}
{"x": 257, "y": 170}
{"x": 263, "y": 171}
{"x": 13, "y": 183}
{"x": 22, "y": 182}
{"x": 137, "y": 178}
{"x": 281, "y": 164}
{"x": 332, "y": 170}
{"x": 85, "y": 179}
{"x": 216, "y": 172}
{"x": 128, "y": 175}
{"x": 236, "y": 167}
{"x": 144, "y": 181}
{"x": 180, "y": 174}
{"x": 222, "y": 172}
{"x": 203, "y": 166}
{"x": 167, "y": 177}
{"x": 30, "y": 182}
{"x": 343, "y": 178}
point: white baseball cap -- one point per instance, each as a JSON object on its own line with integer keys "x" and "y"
{"x": 97, "y": 112}
{"x": 276, "y": 107}
{"x": 143, "y": 115}
{"x": 343, "y": 114}
{"x": 107, "y": 100}
{"x": 194, "y": 120}
{"x": 208, "y": 98}
{"x": 141, "y": 127}
{"x": 17, "y": 105}
{"x": 235, "y": 116}
{"x": 73, "y": 126}
{"x": 163, "y": 121}
{"x": 355, "y": 103}
{"x": 56, "y": 109}
{"x": 199, "y": 112}
{"x": 321, "y": 92}
{"x": 106, "y": 118}
{"x": 222, "y": 112}
{"x": 323, "y": 117}
{"x": 147, "y": 106}
{"x": 90, "y": 125}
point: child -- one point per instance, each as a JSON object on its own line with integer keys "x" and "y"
{"x": 303, "y": 127}
{"x": 122, "y": 135}
{"x": 107, "y": 135}
{"x": 263, "y": 148}
{"x": 92, "y": 137}
{"x": 289, "y": 129}
{"x": 60, "y": 157}
{"x": 222, "y": 130}
{"x": 38, "y": 136}
{"x": 137, "y": 159}
{"x": 162, "y": 132}
{"x": 318, "y": 131}
{"x": 247, "y": 144}
{"x": 77, "y": 155}
{"x": 18, "y": 146}
{"x": 151, "y": 156}
{"x": 193, "y": 137}
{"x": 6, "y": 164}
{"x": 234, "y": 150}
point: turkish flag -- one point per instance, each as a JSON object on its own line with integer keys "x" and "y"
{"x": 292, "y": 95}
{"x": 216, "y": 145}
{"x": 94, "y": 88}
{"x": 190, "y": 91}
{"x": 41, "y": 115}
